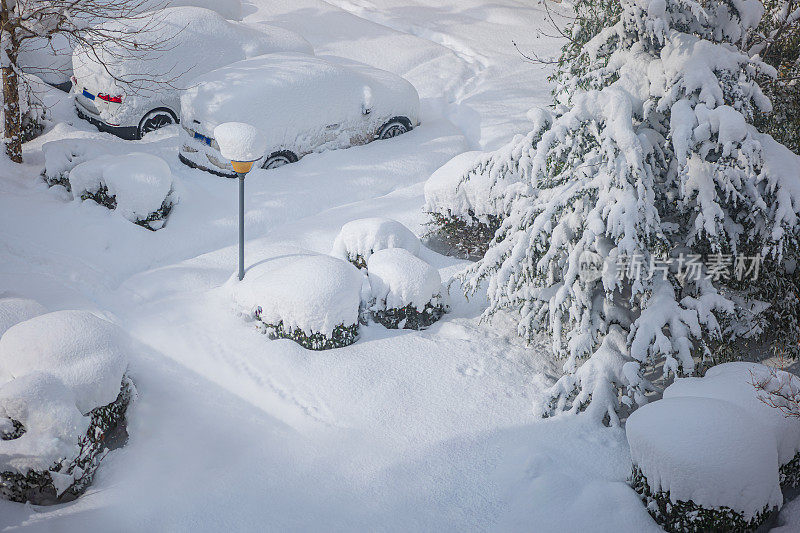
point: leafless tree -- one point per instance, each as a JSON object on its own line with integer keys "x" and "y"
{"x": 79, "y": 22}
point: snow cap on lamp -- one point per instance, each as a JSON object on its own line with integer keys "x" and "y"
{"x": 240, "y": 143}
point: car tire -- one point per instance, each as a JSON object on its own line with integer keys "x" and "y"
{"x": 278, "y": 159}
{"x": 155, "y": 120}
{"x": 393, "y": 128}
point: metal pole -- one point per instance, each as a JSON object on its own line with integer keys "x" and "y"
{"x": 241, "y": 226}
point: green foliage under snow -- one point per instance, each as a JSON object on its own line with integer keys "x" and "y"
{"x": 106, "y": 431}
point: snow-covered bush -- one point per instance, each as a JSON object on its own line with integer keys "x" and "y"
{"x": 14, "y": 310}
{"x": 359, "y": 239}
{"x": 311, "y": 299}
{"x": 63, "y": 399}
{"x": 406, "y": 292}
{"x": 733, "y": 382}
{"x": 702, "y": 464}
{"x": 650, "y": 158}
{"x": 137, "y": 185}
{"x": 61, "y": 156}
{"x": 468, "y": 198}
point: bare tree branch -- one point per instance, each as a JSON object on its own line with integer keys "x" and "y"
{"x": 779, "y": 390}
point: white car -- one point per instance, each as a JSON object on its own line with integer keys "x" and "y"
{"x": 51, "y": 58}
{"x": 301, "y": 104}
{"x": 131, "y": 91}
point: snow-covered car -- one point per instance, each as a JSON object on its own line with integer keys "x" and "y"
{"x": 50, "y": 58}
{"x": 301, "y": 104}
{"x": 132, "y": 90}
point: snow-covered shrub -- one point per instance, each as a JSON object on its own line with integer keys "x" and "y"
{"x": 311, "y": 299}
{"x": 733, "y": 382}
{"x": 468, "y": 198}
{"x": 61, "y": 156}
{"x": 359, "y": 239}
{"x": 702, "y": 464}
{"x": 650, "y": 158}
{"x": 14, "y": 310}
{"x": 63, "y": 399}
{"x": 406, "y": 292}
{"x": 137, "y": 185}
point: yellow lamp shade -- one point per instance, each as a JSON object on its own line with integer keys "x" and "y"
{"x": 242, "y": 167}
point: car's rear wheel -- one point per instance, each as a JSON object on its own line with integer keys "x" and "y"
{"x": 155, "y": 120}
{"x": 393, "y": 128}
{"x": 278, "y": 159}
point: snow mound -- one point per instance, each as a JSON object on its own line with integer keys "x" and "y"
{"x": 307, "y": 292}
{"x": 708, "y": 451}
{"x": 88, "y": 354}
{"x": 478, "y": 186}
{"x": 733, "y": 382}
{"x": 61, "y": 156}
{"x": 53, "y": 425}
{"x": 444, "y": 190}
{"x": 140, "y": 183}
{"x": 398, "y": 279}
{"x": 359, "y": 239}
{"x": 14, "y": 310}
{"x": 240, "y": 142}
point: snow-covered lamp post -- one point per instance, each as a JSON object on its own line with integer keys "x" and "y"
{"x": 243, "y": 145}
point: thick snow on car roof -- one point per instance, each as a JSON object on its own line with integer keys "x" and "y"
{"x": 50, "y": 58}
{"x": 175, "y": 45}
{"x": 296, "y": 92}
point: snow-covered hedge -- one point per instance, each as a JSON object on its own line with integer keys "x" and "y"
{"x": 468, "y": 198}
{"x": 61, "y": 156}
{"x": 359, "y": 239}
{"x": 311, "y": 299}
{"x": 733, "y": 382}
{"x": 406, "y": 292}
{"x": 63, "y": 399}
{"x": 137, "y": 185}
{"x": 702, "y": 464}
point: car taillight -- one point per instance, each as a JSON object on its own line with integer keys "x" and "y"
{"x": 108, "y": 98}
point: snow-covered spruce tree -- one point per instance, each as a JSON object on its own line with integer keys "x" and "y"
{"x": 482, "y": 196}
{"x": 777, "y": 41}
{"x": 651, "y": 154}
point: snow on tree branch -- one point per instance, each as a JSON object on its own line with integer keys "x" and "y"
{"x": 651, "y": 153}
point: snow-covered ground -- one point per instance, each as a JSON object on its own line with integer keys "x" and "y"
{"x": 403, "y": 430}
